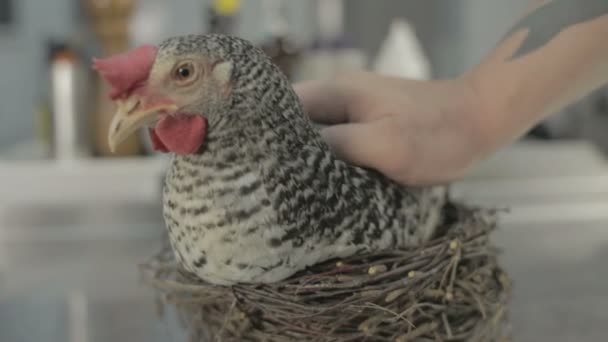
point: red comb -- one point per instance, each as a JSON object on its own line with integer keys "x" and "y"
{"x": 127, "y": 70}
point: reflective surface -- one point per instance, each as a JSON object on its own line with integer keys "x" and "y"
{"x": 90, "y": 291}
{"x": 67, "y": 281}
{"x": 69, "y": 272}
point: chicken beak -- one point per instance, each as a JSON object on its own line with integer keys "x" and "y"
{"x": 131, "y": 115}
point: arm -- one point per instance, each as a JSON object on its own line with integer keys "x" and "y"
{"x": 554, "y": 56}
{"x": 428, "y": 132}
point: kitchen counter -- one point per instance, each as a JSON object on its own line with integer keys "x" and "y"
{"x": 68, "y": 267}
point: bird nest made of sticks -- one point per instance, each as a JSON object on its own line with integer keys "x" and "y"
{"x": 449, "y": 289}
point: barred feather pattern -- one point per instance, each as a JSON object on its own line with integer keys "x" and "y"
{"x": 265, "y": 197}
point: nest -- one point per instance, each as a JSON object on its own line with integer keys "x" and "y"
{"x": 450, "y": 289}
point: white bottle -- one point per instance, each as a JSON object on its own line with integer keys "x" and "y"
{"x": 401, "y": 54}
{"x": 68, "y": 91}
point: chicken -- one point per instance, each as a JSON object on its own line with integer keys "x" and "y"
{"x": 253, "y": 194}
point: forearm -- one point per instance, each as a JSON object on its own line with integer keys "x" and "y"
{"x": 551, "y": 58}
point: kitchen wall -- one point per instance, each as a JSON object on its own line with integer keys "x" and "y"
{"x": 22, "y": 46}
{"x": 21, "y": 55}
{"x": 454, "y": 34}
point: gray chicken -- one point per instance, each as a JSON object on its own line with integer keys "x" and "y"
{"x": 253, "y": 194}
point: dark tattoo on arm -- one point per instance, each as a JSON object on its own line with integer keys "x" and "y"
{"x": 547, "y": 21}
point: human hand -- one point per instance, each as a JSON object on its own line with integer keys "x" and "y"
{"x": 415, "y": 132}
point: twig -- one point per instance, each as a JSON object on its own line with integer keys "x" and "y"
{"x": 446, "y": 324}
{"x": 226, "y": 318}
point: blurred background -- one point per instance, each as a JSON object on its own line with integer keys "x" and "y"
{"x": 76, "y": 220}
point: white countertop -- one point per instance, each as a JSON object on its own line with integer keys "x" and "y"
{"x": 536, "y": 175}
{"x": 72, "y": 235}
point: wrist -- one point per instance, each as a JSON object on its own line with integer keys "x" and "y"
{"x": 479, "y": 114}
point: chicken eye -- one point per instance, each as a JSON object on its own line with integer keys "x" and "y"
{"x": 184, "y": 72}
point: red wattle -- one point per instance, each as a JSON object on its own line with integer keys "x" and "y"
{"x": 181, "y": 133}
{"x": 157, "y": 144}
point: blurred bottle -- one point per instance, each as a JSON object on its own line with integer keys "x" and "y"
{"x": 277, "y": 44}
{"x": 70, "y": 137}
{"x": 401, "y": 54}
{"x": 332, "y": 51}
{"x": 110, "y": 20}
{"x": 222, "y": 16}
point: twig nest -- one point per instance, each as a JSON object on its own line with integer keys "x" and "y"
{"x": 450, "y": 289}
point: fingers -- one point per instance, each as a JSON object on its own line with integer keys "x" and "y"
{"x": 324, "y": 102}
{"x": 370, "y": 144}
{"x": 349, "y": 97}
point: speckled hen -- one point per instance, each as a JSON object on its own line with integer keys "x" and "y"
{"x": 253, "y": 194}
